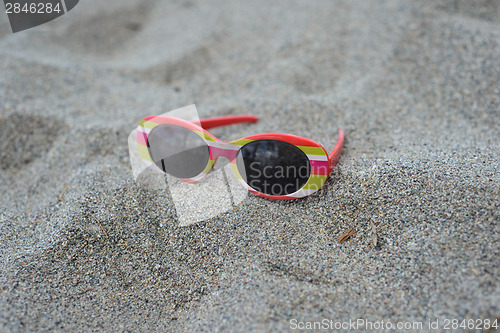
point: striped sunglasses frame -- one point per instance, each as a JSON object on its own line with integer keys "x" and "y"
{"x": 321, "y": 162}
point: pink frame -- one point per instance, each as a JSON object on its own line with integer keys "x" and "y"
{"x": 322, "y": 163}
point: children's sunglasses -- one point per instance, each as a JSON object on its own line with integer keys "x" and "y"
{"x": 271, "y": 165}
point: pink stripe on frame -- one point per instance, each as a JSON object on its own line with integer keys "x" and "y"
{"x": 187, "y": 180}
{"x": 227, "y": 153}
{"x": 142, "y": 138}
{"x": 319, "y": 167}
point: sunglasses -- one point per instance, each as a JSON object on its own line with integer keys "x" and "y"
{"x": 271, "y": 165}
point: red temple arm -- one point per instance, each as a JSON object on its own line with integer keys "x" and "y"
{"x": 335, "y": 154}
{"x": 226, "y": 120}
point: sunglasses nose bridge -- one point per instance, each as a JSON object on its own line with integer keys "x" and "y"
{"x": 222, "y": 149}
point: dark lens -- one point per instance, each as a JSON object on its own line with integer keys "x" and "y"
{"x": 178, "y": 151}
{"x": 273, "y": 167}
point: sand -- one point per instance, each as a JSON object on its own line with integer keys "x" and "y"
{"x": 415, "y": 86}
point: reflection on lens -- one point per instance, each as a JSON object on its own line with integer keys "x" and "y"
{"x": 178, "y": 151}
{"x": 273, "y": 167}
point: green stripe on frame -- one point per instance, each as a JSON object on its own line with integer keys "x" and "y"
{"x": 241, "y": 142}
{"x": 144, "y": 153}
{"x": 234, "y": 166}
{"x": 315, "y": 182}
{"x": 204, "y": 136}
{"x": 312, "y": 150}
{"x": 209, "y": 166}
{"x": 148, "y": 124}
